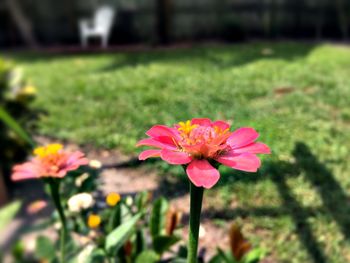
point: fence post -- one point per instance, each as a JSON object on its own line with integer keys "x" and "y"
{"x": 3, "y": 190}
{"x": 164, "y": 10}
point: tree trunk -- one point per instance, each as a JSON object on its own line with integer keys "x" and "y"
{"x": 23, "y": 24}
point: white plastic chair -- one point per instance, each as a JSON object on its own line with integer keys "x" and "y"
{"x": 99, "y": 26}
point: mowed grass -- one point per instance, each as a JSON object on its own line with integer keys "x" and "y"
{"x": 296, "y": 95}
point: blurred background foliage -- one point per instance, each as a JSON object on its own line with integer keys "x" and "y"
{"x": 16, "y": 93}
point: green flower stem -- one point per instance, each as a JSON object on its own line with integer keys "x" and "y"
{"x": 54, "y": 189}
{"x": 115, "y": 218}
{"x": 196, "y": 197}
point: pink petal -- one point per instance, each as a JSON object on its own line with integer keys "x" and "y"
{"x": 76, "y": 159}
{"x": 245, "y": 162}
{"x": 63, "y": 172}
{"x": 221, "y": 139}
{"x": 242, "y": 137}
{"x": 148, "y": 154}
{"x": 221, "y": 124}
{"x": 159, "y": 142}
{"x": 25, "y": 171}
{"x": 161, "y": 130}
{"x": 201, "y": 173}
{"x": 201, "y": 121}
{"x": 175, "y": 157}
{"x": 255, "y": 148}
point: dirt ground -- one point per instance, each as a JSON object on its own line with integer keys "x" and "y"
{"x": 126, "y": 176}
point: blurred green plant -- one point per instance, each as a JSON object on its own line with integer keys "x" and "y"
{"x": 15, "y": 115}
{"x": 142, "y": 231}
{"x": 8, "y": 212}
{"x": 124, "y": 230}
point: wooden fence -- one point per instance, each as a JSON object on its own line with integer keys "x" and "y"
{"x": 55, "y": 22}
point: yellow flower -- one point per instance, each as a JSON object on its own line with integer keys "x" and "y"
{"x": 112, "y": 199}
{"x": 48, "y": 149}
{"x": 94, "y": 221}
{"x": 28, "y": 90}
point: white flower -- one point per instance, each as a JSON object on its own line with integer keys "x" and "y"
{"x": 57, "y": 226}
{"x": 95, "y": 164}
{"x": 202, "y": 231}
{"x": 80, "y": 180}
{"x": 80, "y": 201}
{"x": 129, "y": 201}
{"x": 85, "y": 253}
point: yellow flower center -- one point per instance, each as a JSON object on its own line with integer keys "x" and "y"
{"x": 186, "y": 127}
{"x": 50, "y": 149}
{"x": 112, "y": 199}
{"x": 94, "y": 221}
{"x": 193, "y": 134}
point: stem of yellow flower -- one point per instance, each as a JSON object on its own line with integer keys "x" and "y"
{"x": 196, "y": 197}
{"x": 115, "y": 218}
{"x": 54, "y": 189}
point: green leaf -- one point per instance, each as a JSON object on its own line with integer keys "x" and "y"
{"x": 179, "y": 260}
{"x": 140, "y": 241}
{"x": 226, "y": 257}
{"x": 182, "y": 252}
{"x": 126, "y": 213}
{"x": 148, "y": 256}
{"x": 8, "y": 212}
{"x": 97, "y": 256}
{"x": 90, "y": 254}
{"x": 141, "y": 200}
{"x": 115, "y": 217}
{"x": 163, "y": 243}
{"x": 255, "y": 255}
{"x": 157, "y": 223}
{"x": 14, "y": 125}
{"x": 18, "y": 251}
{"x": 216, "y": 259}
{"x": 44, "y": 248}
{"x": 116, "y": 239}
{"x": 223, "y": 257}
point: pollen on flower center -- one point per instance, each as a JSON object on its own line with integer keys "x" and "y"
{"x": 196, "y": 134}
{"x": 186, "y": 127}
{"x": 47, "y": 150}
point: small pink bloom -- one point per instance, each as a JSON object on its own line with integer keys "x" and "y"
{"x": 50, "y": 161}
{"x": 201, "y": 144}
{"x": 36, "y": 206}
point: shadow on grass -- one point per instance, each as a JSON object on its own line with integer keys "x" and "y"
{"x": 220, "y": 57}
{"x": 334, "y": 199}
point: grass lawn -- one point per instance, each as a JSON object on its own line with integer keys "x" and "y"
{"x": 296, "y": 95}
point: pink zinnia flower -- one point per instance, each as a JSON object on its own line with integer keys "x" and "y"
{"x": 202, "y": 145}
{"x": 50, "y": 161}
